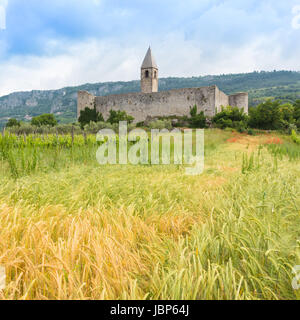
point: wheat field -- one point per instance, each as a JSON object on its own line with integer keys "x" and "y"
{"x": 72, "y": 229}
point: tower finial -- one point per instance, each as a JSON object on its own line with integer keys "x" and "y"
{"x": 149, "y": 61}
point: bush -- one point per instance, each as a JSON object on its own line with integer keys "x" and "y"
{"x": 87, "y": 115}
{"x": 13, "y": 123}
{"x": 295, "y": 137}
{"x": 117, "y": 116}
{"x": 272, "y": 115}
{"x": 224, "y": 123}
{"x": 24, "y": 128}
{"x": 27, "y": 128}
{"x": 197, "y": 120}
{"x": 292, "y": 127}
{"x": 251, "y": 132}
{"x": 161, "y": 124}
{"x": 44, "y": 120}
{"x": 297, "y": 113}
{"x": 231, "y": 117}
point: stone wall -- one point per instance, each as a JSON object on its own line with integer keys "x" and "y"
{"x": 165, "y": 103}
{"x": 240, "y": 100}
{"x": 222, "y": 99}
{"x": 85, "y": 99}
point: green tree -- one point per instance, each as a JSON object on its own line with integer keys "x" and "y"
{"x": 89, "y": 115}
{"x": 272, "y": 115}
{"x": 13, "y": 123}
{"x": 286, "y": 116}
{"x": 44, "y": 120}
{"x": 117, "y": 116}
{"x": 266, "y": 115}
{"x": 297, "y": 113}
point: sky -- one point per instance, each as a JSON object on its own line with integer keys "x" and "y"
{"x": 51, "y": 44}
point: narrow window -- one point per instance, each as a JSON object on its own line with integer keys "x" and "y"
{"x": 155, "y": 75}
{"x": 147, "y": 74}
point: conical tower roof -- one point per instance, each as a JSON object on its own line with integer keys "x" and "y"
{"x": 149, "y": 61}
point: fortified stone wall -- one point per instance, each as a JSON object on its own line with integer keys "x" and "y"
{"x": 240, "y": 100}
{"x": 85, "y": 99}
{"x": 165, "y": 103}
{"x": 222, "y": 99}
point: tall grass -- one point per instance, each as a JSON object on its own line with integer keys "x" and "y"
{"x": 82, "y": 231}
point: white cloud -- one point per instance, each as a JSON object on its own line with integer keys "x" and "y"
{"x": 108, "y": 60}
{"x": 3, "y": 5}
{"x": 296, "y": 17}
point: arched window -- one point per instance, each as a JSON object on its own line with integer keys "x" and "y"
{"x": 147, "y": 74}
{"x": 155, "y": 74}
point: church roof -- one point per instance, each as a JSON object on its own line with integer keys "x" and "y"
{"x": 149, "y": 61}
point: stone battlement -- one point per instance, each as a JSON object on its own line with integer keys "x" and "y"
{"x": 151, "y": 103}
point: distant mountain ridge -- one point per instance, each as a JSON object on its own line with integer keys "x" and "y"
{"x": 283, "y": 85}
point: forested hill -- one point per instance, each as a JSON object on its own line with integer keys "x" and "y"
{"x": 283, "y": 85}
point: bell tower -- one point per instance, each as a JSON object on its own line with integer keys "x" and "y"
{"x": 149, "y": 74}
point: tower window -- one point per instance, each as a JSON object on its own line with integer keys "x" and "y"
{"x": 147, "y": 74}
{"x": 155, "y": 74}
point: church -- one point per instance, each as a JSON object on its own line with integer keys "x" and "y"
{"x": 153, "y": 103}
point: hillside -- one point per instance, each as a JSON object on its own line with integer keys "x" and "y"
{"x": 283, "y": 85}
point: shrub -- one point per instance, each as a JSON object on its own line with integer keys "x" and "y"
{"x": 224, "y": 123}
{"x": 295, "y": 137}
{"x": 296, "y": 114}
{"x": 250, "y": 132}
{"x": 140, "y": 124}
{"x": 117, "y": 116}
{"x": 95, "y": 127}
{"x": 161, "y": 124}
{"x": 272, "y": 115}
{"x": 24, "y": 128}
{"x": 197, "y": 120}
{"x": 292, "y": 127}
{"x": 13, "y": 123}
{"x": 44, "y": 120}
{"x": 87, "y": 115}
{"x": 232, "y": 117}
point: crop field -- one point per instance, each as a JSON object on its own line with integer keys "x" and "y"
{"x": 73, "y": 229}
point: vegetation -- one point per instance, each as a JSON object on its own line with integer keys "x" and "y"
{"x": 231, "y": 117}
{"x": 295, "y": 137}
{"x": 197, "y": 120}
{"x": 117, "y": 116}
{"x": 161, "y": 124}
{"x": 297, "y": 113}
{"x": 269, "y": 115}
{"x": 283, "y": 85}
{"x": 44, "y": 120}
{"x": 71, "y": 229}
{"x": 89, "y": 115}
{"x": 13, "y": 123}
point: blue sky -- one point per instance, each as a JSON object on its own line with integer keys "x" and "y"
{"x": 50, "y": 44}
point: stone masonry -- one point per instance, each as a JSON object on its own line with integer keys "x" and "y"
{"x": 151, "y": 103}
